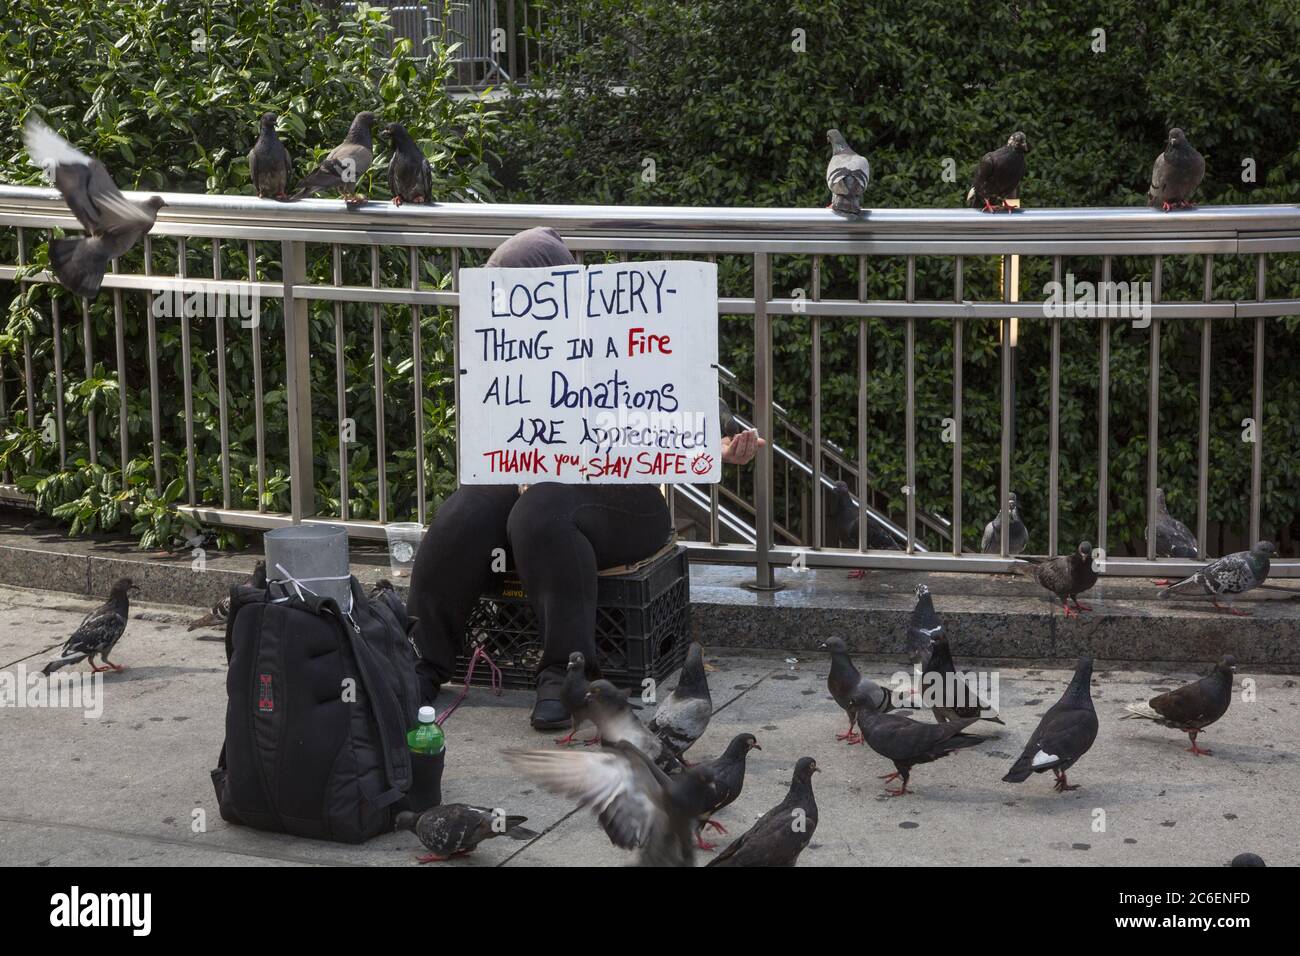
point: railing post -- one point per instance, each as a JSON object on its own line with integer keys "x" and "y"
{"x": 764, "y": 580}
{"x": 297, "y": 379}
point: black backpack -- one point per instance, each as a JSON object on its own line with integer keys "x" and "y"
{"x": 301, "y": 756}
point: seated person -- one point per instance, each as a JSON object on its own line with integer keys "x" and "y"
{"x": 558, "y": 535}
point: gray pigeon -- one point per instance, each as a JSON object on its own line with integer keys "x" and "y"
{"x": 639, "y": 806}
{"x": 410, "y": 178}
{"x": 682, "y": 716}
{"x": 950, "y": 694}
{"x": 847, "y": 175}
{"x": 924, "y": 625}
{"x": 98, "y": 633}
{"x": 780, "y": 835}
{"x": 909, "y": 742}
{"x": 1247, "y": 859}
{"x": 850, "y": 689}
{"x": 1176, "y": 174}
{"x": 220, "y": 612}
{"x": 843, "y": 515}
{"x": 346, "y": 163}
{"x": 1067, "y": 576}
{"x": 454, "y": 829}
{"x": 616, "y": 722}
{"x": 269, "y": 165}
{"x": 997, "y": 178}
{"x": 573, "y": 695}
{"x": 1173, "y": 539}
{"x": 1017, "y": 533}
{"x": 1192, "y": 707}
{"x": 1230, "y": 575}
{"x": 112, "y": 222}
{"x": 1065, "y": 733}
{"x": 726, "y": 776}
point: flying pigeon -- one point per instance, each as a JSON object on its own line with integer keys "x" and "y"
{"x": 1017, "y": 533}
{"x": 1230, "y": 575}
{"x": 639, "y": 806}
{"x": 346, "y": 163}
{"x": 1176, "y": 174}
{"x": 220, "y": 612}
{"x": 1067, "y": 576}
{"x": 1247, "y": 859}
{"x": 1065, "y": 733}
{"x": 616, "y": 722}
{"x": 780, "y": 835}
{"x": 726, "y": 775}
{"x": 573, "y": 695}
{"x": 909, "y": 742}
{"x": 682, "y": 716}
{"x": 269, "y": 165}
{"x": 956, "y": 696}
{"x": 1193, "y": 707}
{"x": 409, "y": 177}
{"x": 454, "y": 829}
{"x": 112, "y": 222}
{"x": 1173, "y": 538}
{"x": 850, "y": 689}
{"x": 924, "y": 625}
{"x": 996, "y": 186}
{"x": 847, "y": 175}
{"x": 98, "y": 633}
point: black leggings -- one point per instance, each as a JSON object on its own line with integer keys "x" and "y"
{"x": 557, "y": 537}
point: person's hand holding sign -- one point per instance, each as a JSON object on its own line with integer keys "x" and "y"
{"x": 740, "y": 449}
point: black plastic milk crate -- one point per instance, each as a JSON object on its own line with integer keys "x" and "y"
{"x": 643, "y": 621}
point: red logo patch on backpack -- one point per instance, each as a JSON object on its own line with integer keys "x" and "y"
{"x": 265, "y": 699}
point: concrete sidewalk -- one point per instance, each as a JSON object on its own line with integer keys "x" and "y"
{"x": 124, "y": 788}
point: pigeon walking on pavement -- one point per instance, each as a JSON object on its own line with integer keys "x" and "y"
{"x": 220, "y": 612}
{"x": 726, "y": 775}
{"x": 682, "y": 716}
{"x": 269, "y": 165}
{"x": 996, "y": 184}
{"x": 1176, "y": 174}
{"x": 573, "y": 696}
{"x": 953, "y": 695}
{"x": 455, "y": 829}
{"x": 1229, "y": 576}
{"x": 1017, "y": 533}
{"x": 924, "y": 625}
{"x": 1065, "y": 733}
{"x": 1066, "y": 576}
{"x": 113, "y": 223}
{"x": 638, "y": 806}
{"x": 1192, "y": 707}
{"x": 850, "y": 689}
{"x": 843, "y": 515}
{"x": 909, "y": 742}
{"x": 346, "y": 163}
{"x": 780, "y": 835}
{"x": 847, "y": 175}
{"x": 98, "y": 632}
{"x": 616, "y": 721}
{"x": 410, "y": 178}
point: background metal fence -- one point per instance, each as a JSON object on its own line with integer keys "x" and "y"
{"x": 776, "y": 513}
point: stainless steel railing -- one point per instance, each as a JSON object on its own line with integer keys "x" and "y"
{"x": 757, "y": 235}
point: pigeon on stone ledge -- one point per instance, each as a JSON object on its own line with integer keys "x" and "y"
{"x": 1229, "y": 576}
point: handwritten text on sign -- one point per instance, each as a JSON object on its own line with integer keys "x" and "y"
{"x": 600, "y": 373}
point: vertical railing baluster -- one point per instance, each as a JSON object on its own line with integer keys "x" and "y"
{"x": 1203, "y": 451}
{"x": 764, "y": 577}
{"x": 155, "y": 396}
{"x": 1004, "y": 486}
{"x": 259, "y": 414}
{"x": 187, "y": 386}
{"x": 88, "y": 355}
{"x": 817, "y": 496}
{"x": 223, "y": 411}
{"x": 119, "y": 335}
{"x": 864, "y": 490}
{"x": 1257, "y": 410}
{"x": 381, "y": 443}
{"x": 909, "y": 413}
{"x": 340, "y": 386}
{"x": 715, "y": 504}
{"x": 1153, "y": 409}
{"x": 297, "y": 381}
{"x": 57, "y": 325}
{"x": 1054, "y": 440}
{"x": 1103, "y": 420}
{"x": 455, "y": 346}
{"x": 958, "y": 334}
{"x": 417, "y": 375}
{"x": 29, "y": 376}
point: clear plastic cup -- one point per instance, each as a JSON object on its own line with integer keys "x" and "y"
{"x": 403, "y": 542}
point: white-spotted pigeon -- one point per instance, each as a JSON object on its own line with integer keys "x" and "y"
{"x": 98, "y": 632}
{"x": 454, "y": 829}
{"x": 1229, "y": 576}
{"x": 1065, "y": 733}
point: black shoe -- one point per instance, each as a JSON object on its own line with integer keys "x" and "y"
{"x": 550, "y": 715}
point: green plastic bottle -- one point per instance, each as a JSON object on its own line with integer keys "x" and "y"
{"x": 427, "y": 737}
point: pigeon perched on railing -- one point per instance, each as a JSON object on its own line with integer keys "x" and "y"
{"x": 220, "y": 612}
{"x": 1066, "y": 576}
{"x": 269, "y": 165}
{"x": 639, "y": 806}
{"x": 682, "y": 717}
{"x": 410, "y": 178}
{"x": 850, "y": 689}
{"x": 996, "y": 184}
{"x": 955, "y": 695}
{"x": 1229, "y": 576}
{"x": 1176, "y": 173}
{"x": 847, "y": 175}
{"x": 1065, "y": 733}
{"x": 908, "y": 742}
{"x": 843, "y": 523}
{"x": 98, "y": 633}
{"x": 924, "y": 625}
{"x": 726, "y": 775}
{"x": 454, "y": 829}
{"x": 1193, "y": 707}
{"x": 616, "y": 721}
{"x": 573, "y": 696}
{"x": 112, "y": 222}
{"x": 346, "y": 163}
{"x": 1017, "y": 533}
{"x": 780, "y": 835}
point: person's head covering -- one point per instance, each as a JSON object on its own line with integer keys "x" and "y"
{"x": 532, "y": 248}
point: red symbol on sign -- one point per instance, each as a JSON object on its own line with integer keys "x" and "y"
{"x": 702, "y": 464}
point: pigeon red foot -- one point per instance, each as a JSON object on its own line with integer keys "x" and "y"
{"x": 435, "y": 858}
{"x": 566, "y": 741}
{"x": 1061, "y": 784}
{"x": 1234, "y": 611}
{"x": 397, "y": 200}
{"x": 1195, "y": 749}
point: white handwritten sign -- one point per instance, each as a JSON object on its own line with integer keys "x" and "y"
{"x": 599, "y": 373}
